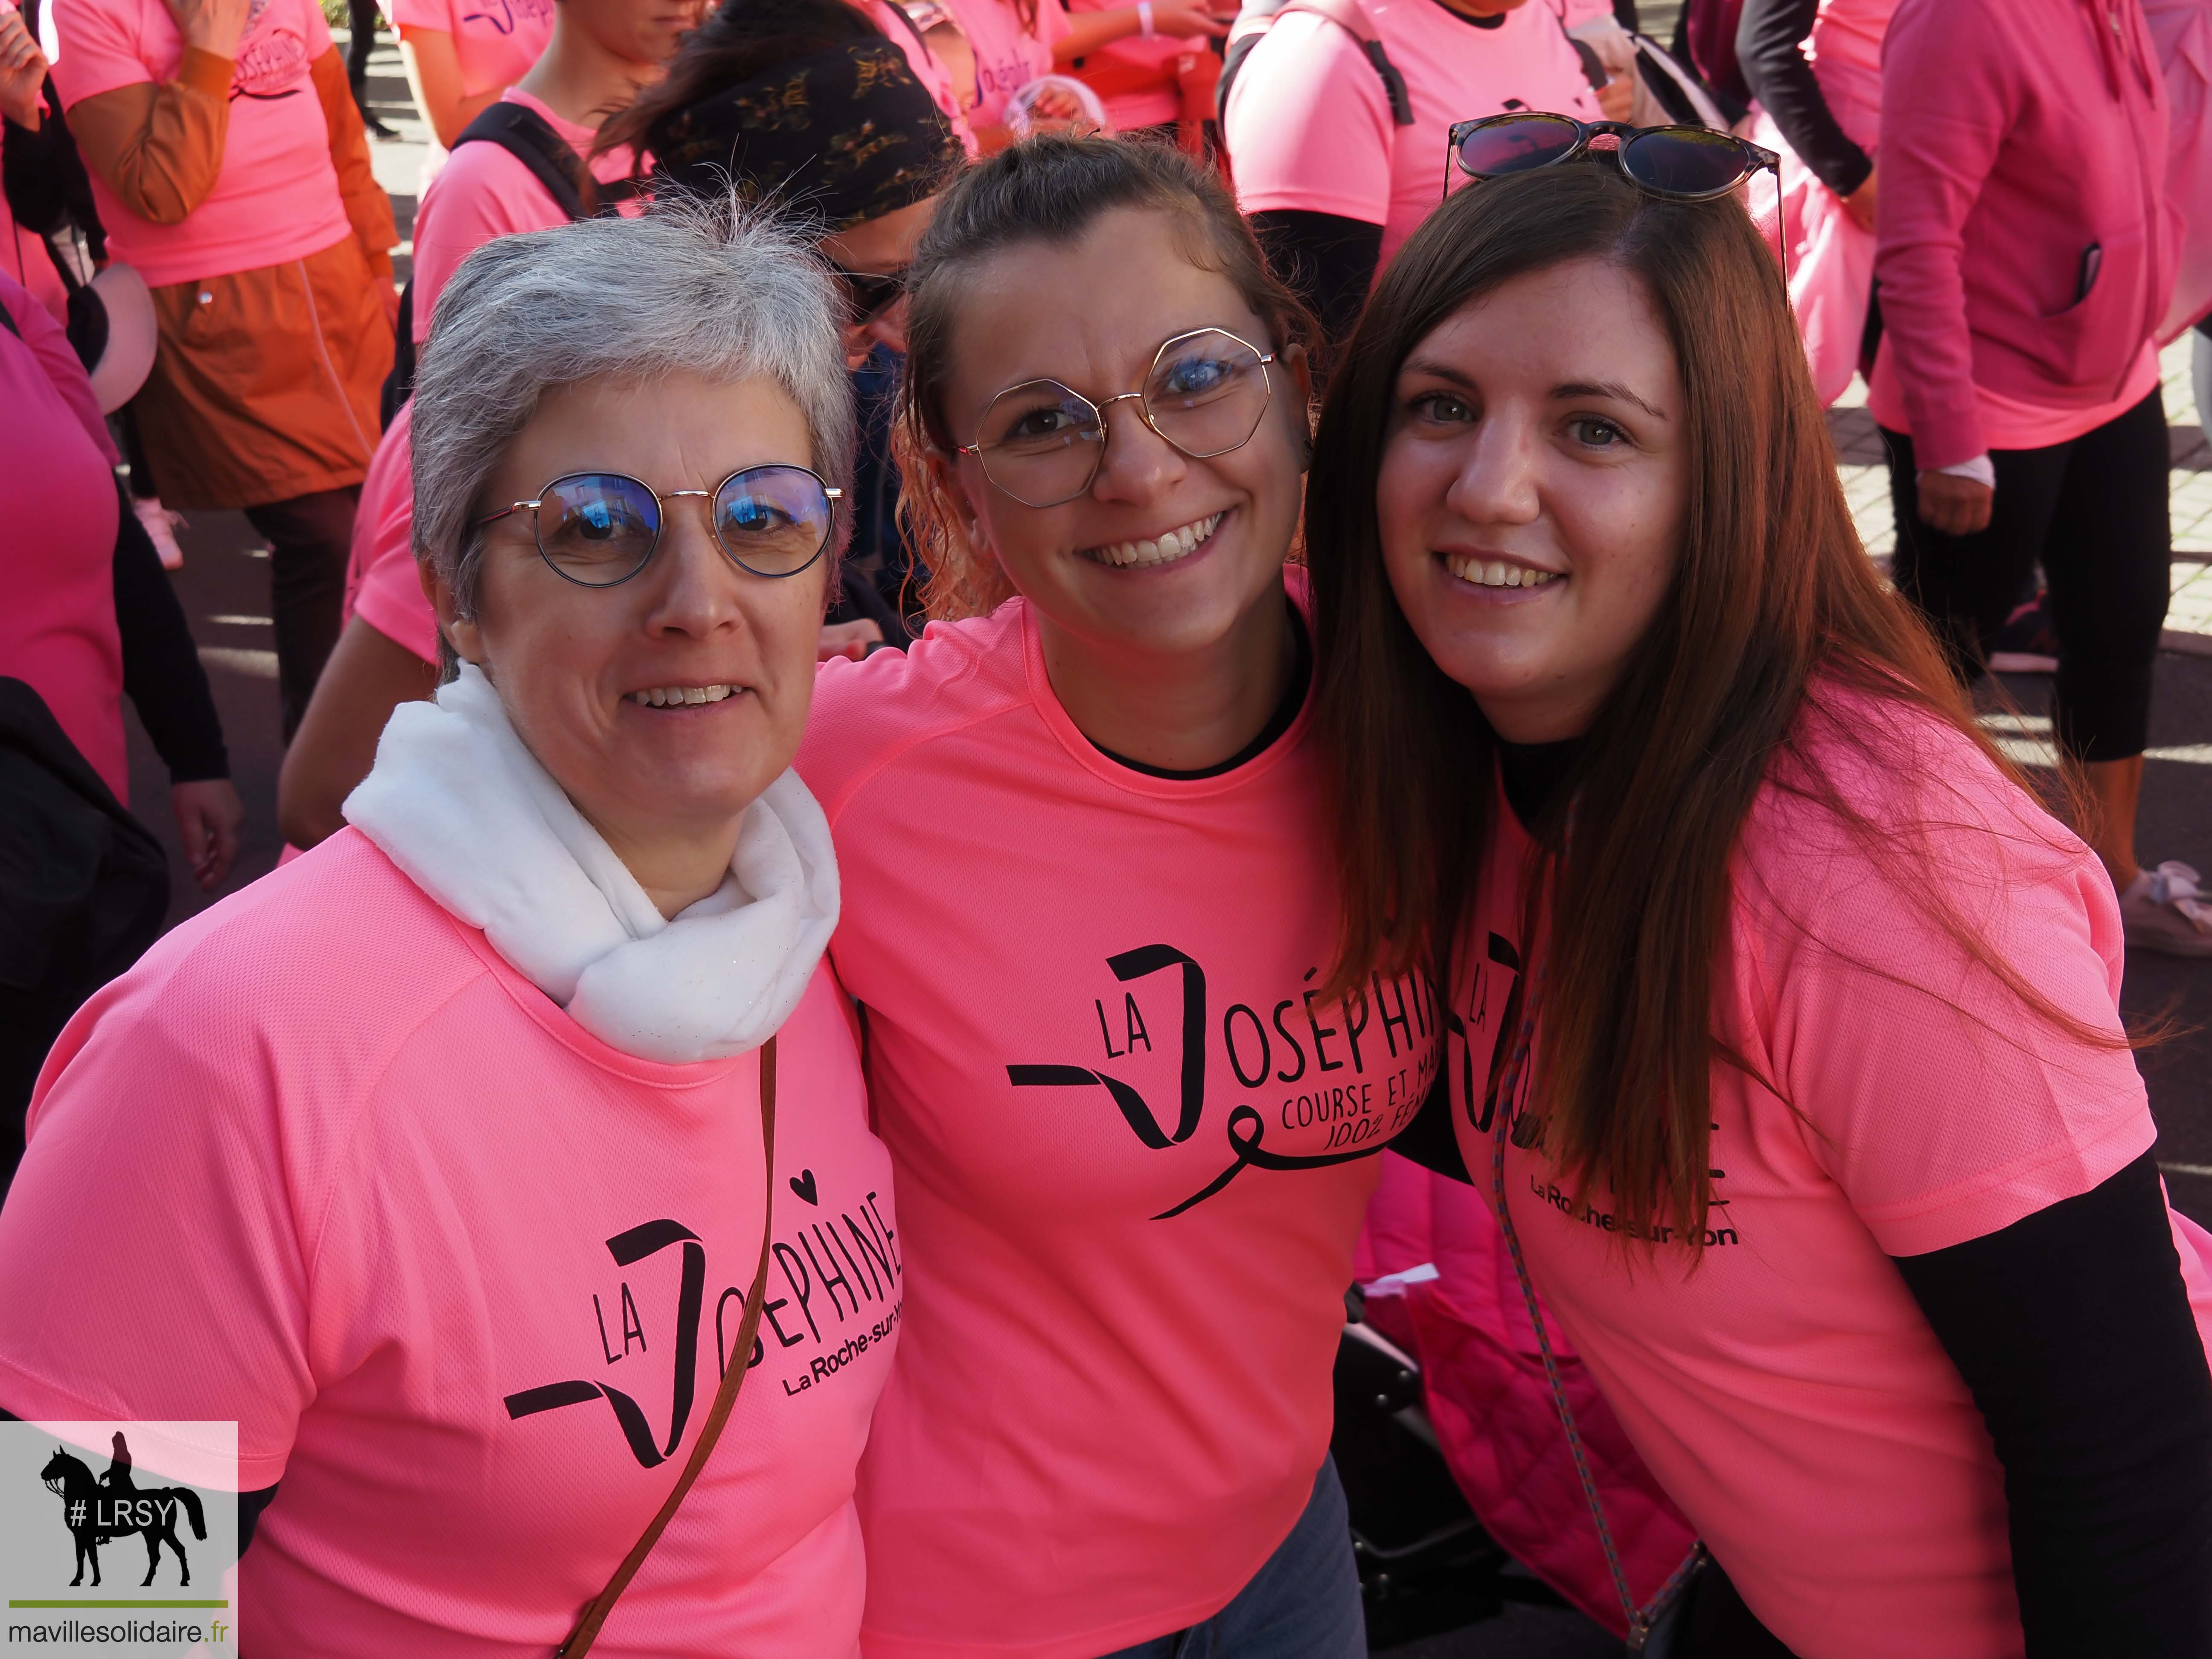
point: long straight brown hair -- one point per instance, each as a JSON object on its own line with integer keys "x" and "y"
{"x": 1773, "y": 590}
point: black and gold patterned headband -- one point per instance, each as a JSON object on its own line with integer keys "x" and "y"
{"x": 840, "y": 138}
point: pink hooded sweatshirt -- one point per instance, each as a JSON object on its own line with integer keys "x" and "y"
{"x": 2024, "y": 241}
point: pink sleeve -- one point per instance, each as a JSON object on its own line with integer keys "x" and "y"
{"x": 1944, "y": 1108}
{"x": 151, "y": 1260}
{"x": 424, "y": 14}
{"x": 100, "y": 48}
{"x": 58, "y": 358}
{"x": 392, "y": 601}
{"x": 481, "y": 193}
{"x": 1307, "y": 126}
{"x": 384, "y": 586}
{"x": 1948, "y": 96}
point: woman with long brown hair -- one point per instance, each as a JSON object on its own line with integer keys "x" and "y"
{"x": 1781, "y": 1022}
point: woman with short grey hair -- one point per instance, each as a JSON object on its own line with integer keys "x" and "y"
{"x": 448, "y": 1160}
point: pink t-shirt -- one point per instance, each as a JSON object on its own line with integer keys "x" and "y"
{"x": 464, "y": 1275}
{"x": 57, "y": 630}
{"x": 2010, "y": 423}
{"x": 384, "y": 586}
{"x": 1789, "y": 1393}
{"x": 1309, "y": 124}
{"x": 276, "y": 196}
{"x": 1092, "y": 1044}
{"x": 496, "y": 41}
{"x": 929, "y": 67}
{"x": 484, "y": 192}
{"x": 1008, "y": 56}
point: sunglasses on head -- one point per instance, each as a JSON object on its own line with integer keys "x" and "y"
{"x": 1680, "y": 164}
{"x": 597, "y": 529}
{"x": 1676, "y": 164}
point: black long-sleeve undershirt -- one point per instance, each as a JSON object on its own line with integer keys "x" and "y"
{"x": 162, "y": 674}
{"x": 1325, "y": 259}
{"x": 1768, "y": 46}
{"x": 2073, "y": 1333}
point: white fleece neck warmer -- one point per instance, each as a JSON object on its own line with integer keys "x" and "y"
{"x": 458, "y": 802}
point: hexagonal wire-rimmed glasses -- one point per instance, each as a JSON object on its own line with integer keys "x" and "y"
{"x": 771, "y": 521}
{"x": 1042, "y": 443}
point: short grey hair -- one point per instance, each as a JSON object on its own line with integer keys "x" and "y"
{"x": 709, "y": 289}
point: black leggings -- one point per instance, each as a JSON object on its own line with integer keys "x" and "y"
{"x": 2093, "y": 511}
{"x": 361, "y": 22}
{"x": 310, "y": 538}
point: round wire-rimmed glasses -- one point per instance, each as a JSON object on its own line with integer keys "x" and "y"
{"x": 1042, "y": 443}
{"x": 600, "y": 529}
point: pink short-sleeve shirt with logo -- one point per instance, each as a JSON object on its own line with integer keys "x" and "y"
{"x": 496, "y": 41}
{"x": 1789, "y": 1393}
{"x": 1130, "y": 1143}
{"x": 276, "y": 199}
{"x": 1309, "y": 124}
{"x": 1009, "y": 53}
{"x": 466, "y": 1277}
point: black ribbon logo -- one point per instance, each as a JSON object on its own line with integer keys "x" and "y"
{"x": 1135, "y": 1112}
{"x": 627, "y": 1248}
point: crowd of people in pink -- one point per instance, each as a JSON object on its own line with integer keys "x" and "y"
{"x": 1013, "y": 727}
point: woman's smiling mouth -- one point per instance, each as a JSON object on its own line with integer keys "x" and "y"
{"x": 1177, "y": 543}
{"x": 675, "y": 697}
{"x": 1497, "y": 573}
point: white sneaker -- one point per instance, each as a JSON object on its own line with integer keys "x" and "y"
{"x": 2162, "y": 910}
{"x": 160, "y": 528}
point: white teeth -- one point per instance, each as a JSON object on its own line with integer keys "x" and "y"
{"x": 668, "y": 696}
{"x": 1496, "y": 572}
{"x": 1175, "y": 544}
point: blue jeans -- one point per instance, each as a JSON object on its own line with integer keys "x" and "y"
{"x": 1303, "y": 1603}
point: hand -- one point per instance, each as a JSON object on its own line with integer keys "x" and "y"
{"x": 389, "y": 291}
{"x": 1616, "y": 98}
{"x": 22, "y": 71}
{"x": 1180, "y": 19}
{"x": 208, "y": 816}
{"x": 1953, "y": 505}
{"x": 1055, "y": 106}
{"x": 1860, "y": 203}
{"x": 850, "y": 639}
{"x": 215, "y": 26}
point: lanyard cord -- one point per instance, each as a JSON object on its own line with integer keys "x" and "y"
{"x": 1640, "y": 1619}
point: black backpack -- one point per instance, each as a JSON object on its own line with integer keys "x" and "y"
{"x": 84, "y": 889}
{"x": 529, "y": 137}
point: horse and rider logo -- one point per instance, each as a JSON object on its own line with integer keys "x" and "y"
{"x": 97, "y": 1512}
